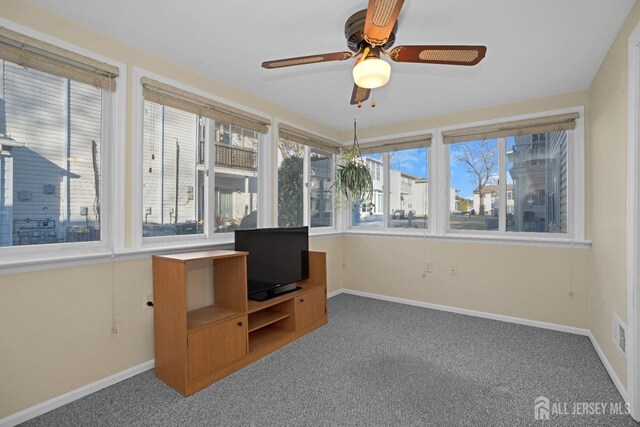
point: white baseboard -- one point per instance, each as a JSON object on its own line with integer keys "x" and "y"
{"x": 56, "y": 402}
{"x": 335, "y": 293}
{"x": 485, "y": 315}
{"x": 612, "y": 373}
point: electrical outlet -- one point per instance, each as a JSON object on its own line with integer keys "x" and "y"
{"x": 147, "y": 300}
{"x": 428, "y": 268}
{"x": 453, "y": 270}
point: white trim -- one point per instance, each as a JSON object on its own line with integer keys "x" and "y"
{"x": 576, "y": 188}
{"x": 502, "y": 187}
{"x": 113, "y": 140}
{"x": 67, "y": 261}
{"x": 335, "y": 293}
{"x": 118, "y": 161}
{"x": 137, "y": 241}
{"x": 474, "y": 313}
{"x": 63, "y": 399}
{"x": 633, "y": 231}
{"x": 607, "y": 365}
{"x": 521, "y": 239}
{"x": 306, "y": 179}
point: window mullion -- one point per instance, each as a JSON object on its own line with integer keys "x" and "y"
{"x": 386, "y": 194}
{"x": 502, "y": 177}
{"x": 306, "y": 194}
{"x": 209, "y": 184}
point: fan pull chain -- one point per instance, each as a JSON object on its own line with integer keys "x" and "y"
{"x": 373, "y": 101}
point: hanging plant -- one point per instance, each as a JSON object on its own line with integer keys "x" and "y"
{"x": 353, "y": 178}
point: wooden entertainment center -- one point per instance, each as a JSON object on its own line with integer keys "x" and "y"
{"x": 194, "y": 348}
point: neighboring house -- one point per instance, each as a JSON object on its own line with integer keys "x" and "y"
{"x": 49, "y": 181}
{"x": 490, "y": 196}
{"x": 539, "y": 174}
{"x": 453, "y": 201}
{"x": 408, "y": 193}
{"x": 174, "y": 191}
{"x": 236, "y": 177}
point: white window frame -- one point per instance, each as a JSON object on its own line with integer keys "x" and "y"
{"x": 209, "y": 237}
{"x": 575, "y": 203}
{"x": 112, "y": 185}
{"x": 306, "y": 176}
{"x": 386, "y": 179}
{"x": 439, "y": 187}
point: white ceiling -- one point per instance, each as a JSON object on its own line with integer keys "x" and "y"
{"x": 535, "y": 48}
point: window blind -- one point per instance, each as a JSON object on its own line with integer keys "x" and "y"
{"x": 160, "y": 93}
{"x": 405, "y": 143}
{"x": 299, "y": 136}
{"x": 38, "y": 55}
{"x": 515, "y": 128}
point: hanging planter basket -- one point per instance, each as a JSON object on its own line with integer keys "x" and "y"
{"x": 353, "y": 180}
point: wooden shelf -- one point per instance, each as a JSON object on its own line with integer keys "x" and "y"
{"x": 207, "y": 316}
{"x": 261, "y": 305}
{"x": 263, "y": 337}
{"x": 266, "y": 317}
{"x": 194, "y": 348}
{"x": 202, "y": 255}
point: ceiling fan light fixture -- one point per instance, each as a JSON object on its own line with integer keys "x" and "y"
{"x": 371, "y": 73}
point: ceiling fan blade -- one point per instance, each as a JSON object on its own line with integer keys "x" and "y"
{"x": 449, "y": 55}
{"x": 311, "y": 59}
{"x": 359, "y": 94}
{"x": 381, "y": 17}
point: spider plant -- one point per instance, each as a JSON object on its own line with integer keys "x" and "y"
{"x": 353, "y": 178}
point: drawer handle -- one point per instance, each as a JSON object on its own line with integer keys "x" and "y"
{"x": 301, "y": 299}
{"x": 239, "y": 323}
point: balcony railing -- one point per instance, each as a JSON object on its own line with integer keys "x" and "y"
{"x": 234, "y": 157}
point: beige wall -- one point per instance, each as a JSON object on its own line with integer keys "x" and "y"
{"x": 521, "y": 281}
{"x": 56, "y": 329}
{"x": 607, "y": 161}
{"x": 530, "y": 106}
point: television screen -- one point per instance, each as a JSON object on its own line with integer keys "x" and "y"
{"x": 277, "y": 256}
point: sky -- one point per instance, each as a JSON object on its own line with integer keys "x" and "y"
{"x": 414, "y": 162}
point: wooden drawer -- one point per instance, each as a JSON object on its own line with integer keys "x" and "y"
{"x": 310, "y": 308}
{"x": 216, "y": 346}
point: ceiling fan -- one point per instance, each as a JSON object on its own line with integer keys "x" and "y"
{"x": 370, "y": 33}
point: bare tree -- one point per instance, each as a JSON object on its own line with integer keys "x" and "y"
{"x": 480, "y": 161}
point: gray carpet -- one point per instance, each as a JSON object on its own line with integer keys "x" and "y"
{"x": 377, "y": 363}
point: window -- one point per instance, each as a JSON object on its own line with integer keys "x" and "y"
{"x": 173, "y": 179}
{"x": 305, "y": 178}
{"x": 371, "y": 214}
{"x": 290, "y": 184}
{"x": 200, "y": 164}
{"x": 514, "y": 179}
{"x": 473, "y": 168}
{"x": 537, "y": 171}
{"x": 408, "y": 188}
{"x": 320, "y": 188}
{"x": 52, "y": 127}
{"x": 399, "y": 171}
{"x": 236, "y": 178}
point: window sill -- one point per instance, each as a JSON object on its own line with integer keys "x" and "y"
{"x": 323, "y": 232}
{"x": 537, "y": 240}
{"x": 48, "y": 256}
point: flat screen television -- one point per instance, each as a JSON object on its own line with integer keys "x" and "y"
{"x": 278, "y": 258}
